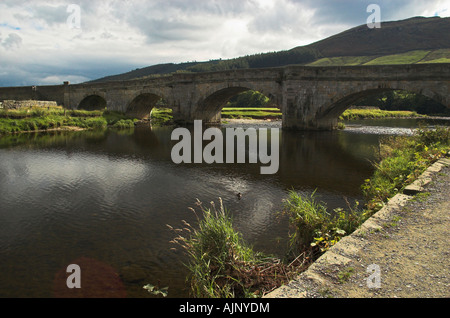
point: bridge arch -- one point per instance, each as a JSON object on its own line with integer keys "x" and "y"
{"x": 209, "y": 108}
{"x": 141, "y": 105}
{"x": 331, "y": 111}
{"x": 92, "y": 102}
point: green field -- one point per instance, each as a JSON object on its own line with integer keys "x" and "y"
{"x": 349, "y": 114}
{"x": 253, "y": 113}
{"x": 411, "y": 57}
{"x": 353, "y": 114}
{"x": 56, "y": 118}
{"x": 344, "y": 60}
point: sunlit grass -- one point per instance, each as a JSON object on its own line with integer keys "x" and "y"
{"x": 252, "y": 113}
{"x": 403, "y": 58}
{"x": 411, "y": 57}
{"x": 343, "y": 60}
{"x": 41, "y": 119}
{"x": 353, "y": 114}
{"x": 402, "y": 160}
{"x": 162, "y": 116}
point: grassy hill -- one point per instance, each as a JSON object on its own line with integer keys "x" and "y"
{"x": 411, "y": 57}
{"x": 414, "y": 40}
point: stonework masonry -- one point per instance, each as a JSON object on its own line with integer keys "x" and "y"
{"x": 14, "y": 104}
{"x": 311, "y": 98}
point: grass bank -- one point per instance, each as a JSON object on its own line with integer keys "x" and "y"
{"x": 53, "y": 118}
{"x": 410, "y": 57}
{"x": 401, "y": 160}
{"x": 354, "y": 114}
{"x": 349, "y": 114}
{"x": 251, "y": 113}
{"x": 223, "y": 265}
{"x": 162, "y": 117}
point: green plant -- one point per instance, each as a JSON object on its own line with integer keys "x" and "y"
{"x": 314, "y": 225}
{"x": 344, "y": 275}
{"x": 421, "y": 197}
{"x": 306, "y": 216}
{"x": 402, "y": 160}
{"x": 222, "y": 264}
{"x": 217, "y": 255}
{"x": 157, "y": 290}
{"x": 162, "y": 116}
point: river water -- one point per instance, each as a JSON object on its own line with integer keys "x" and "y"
{"x": 104, "y": 199}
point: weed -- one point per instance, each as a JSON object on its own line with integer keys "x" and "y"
{"x": 421, "y": 197}
{"x": 314, "y": 226}
{"x": 402, "y": 160}
{"x": 345, "y": 275}
{"x": 223, "y": 265}
{"x": 35, "y": 119}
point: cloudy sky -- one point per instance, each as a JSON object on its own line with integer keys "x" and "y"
{"x": 48, "y": 42}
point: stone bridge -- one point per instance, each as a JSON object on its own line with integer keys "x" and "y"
{"x": 311, "y": 98}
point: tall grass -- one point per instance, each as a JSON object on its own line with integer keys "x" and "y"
{"x": 222, "y": 264}
{"x": 353, "y": 114}
{"x": 252, "y": 113}
{"x": 162, "y": 116}
{"x": 314, "y": 226}
{"x": 37, "y": 119}
{"x": 401, "y": 160}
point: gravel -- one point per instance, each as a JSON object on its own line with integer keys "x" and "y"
{"x": 411, "y": 250}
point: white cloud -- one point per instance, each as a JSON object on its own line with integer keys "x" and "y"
{"x": 118, "y": 36}
{"x": 13, "y": 41}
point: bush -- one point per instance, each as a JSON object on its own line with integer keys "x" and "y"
{"x": 123, "y": 124}
{"x": 314, "y": 226}
{"x": 430, "y": 137}
{"x": 402, "y": 160}
{"x": 221, "y": 264}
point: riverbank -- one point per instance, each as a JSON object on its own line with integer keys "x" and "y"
{"x": 317, "y": 231}
{"x": 57, "y": 118}
{"x": 349, "y": 114}
{"x": 401, "y": 251}
{"x": 354, "y": 114}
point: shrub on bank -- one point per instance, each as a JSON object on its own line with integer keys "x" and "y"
{"x": 401, "y": 161}
{"x": 223, "y": 265}
{"x": 314, "y": 226}
{"x": 353, "y": 114}
{"x": 29, "y": 120}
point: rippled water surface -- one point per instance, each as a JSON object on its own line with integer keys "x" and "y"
{"x": 105, "y": 198}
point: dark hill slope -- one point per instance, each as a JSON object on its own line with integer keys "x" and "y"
{"x": 393, "y": 37}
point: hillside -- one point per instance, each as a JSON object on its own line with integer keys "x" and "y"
{"x": 414, "y": 40}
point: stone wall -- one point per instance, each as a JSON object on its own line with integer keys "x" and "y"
{"x": 16, "y": 104}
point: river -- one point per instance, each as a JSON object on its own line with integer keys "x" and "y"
{"x": 107, "y": 196}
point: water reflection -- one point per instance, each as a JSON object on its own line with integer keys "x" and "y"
{"x": 108, "y": 196}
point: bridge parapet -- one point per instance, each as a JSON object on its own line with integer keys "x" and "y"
{"x": 310, "y": 97}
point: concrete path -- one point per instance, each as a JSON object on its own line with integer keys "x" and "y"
{"x": 402, "y": 251}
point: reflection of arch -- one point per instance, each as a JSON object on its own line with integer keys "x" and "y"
{"x": 142, "y": 105}
{"x": 347, "y": 100}
{"x": 92, "y": 102}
